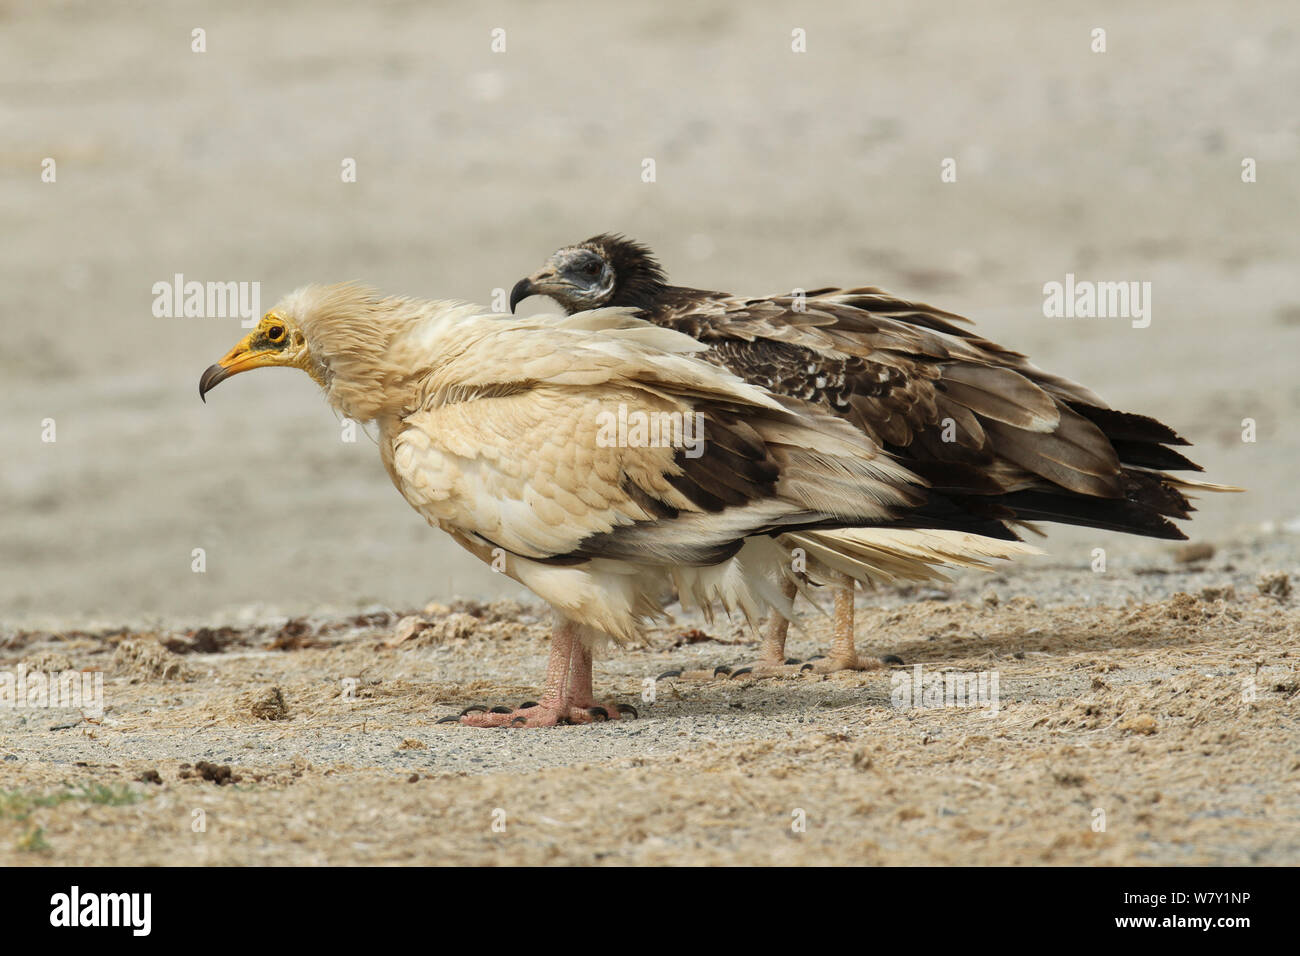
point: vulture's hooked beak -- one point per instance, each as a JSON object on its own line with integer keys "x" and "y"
{"x": 542, "y": 282}
{"x": 248, "y": 354}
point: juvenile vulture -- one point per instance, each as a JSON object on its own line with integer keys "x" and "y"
{"x": 998, "y": 441}
{"x": 497, "y": 429}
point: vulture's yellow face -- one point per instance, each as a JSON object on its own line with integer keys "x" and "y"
{"x": 275, "y": 341}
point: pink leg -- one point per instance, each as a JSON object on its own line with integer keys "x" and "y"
{"x": 771, "y": 659}
{"x": 844, "y": 653}
{"x": 568, "y": 696}
{"x": 771, "y": 653}
{"x": 772, "y": 650}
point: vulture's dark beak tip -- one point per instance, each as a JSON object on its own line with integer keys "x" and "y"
{"x": 213, "y": 375}
{"x": 522, "y": 290}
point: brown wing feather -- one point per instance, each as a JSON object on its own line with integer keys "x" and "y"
{"x": 972, "y": 417}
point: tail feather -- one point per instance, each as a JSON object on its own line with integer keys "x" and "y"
{"x": 890, "y": 555}
{"x": 1128, "y": 426}
{"x": 1151, "y": 455}
{"x": 1108, "y": 469}
{"x": 1195, "y": 484}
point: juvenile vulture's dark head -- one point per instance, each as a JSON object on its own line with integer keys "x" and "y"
{"x": 606, "y": 270}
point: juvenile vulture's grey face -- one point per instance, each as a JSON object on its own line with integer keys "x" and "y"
{"x": 576, "y": 277}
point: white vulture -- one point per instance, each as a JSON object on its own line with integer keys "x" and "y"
{"x": 504, "y": 432}
{"x": 998, "y": 442}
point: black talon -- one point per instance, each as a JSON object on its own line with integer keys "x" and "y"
{"x": 817, "y": 657}
{"x": 891, "y": 659}
{"x": 676, "y": 673}
{"x": 722, "y": 669}
{"x": 519, "y": 722}
{"x": 450, "y": 720}
{"x": 806, "y": 667}
{"x": 528, "y": 703}
{"x": 792, "y": 660}
{"x": 627, "y": 709}
{"x": 742, "y": 671}
{"x": 600, "y": 712}
{"x": 472, "y": 708}
{"x": 500, "y": 709}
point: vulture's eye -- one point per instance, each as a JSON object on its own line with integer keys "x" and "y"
{"x": 275, "y": 333}
{"x": 591, "y": 269}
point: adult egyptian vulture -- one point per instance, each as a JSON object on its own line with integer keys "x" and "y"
{"x": 504, "y": 432}
{"x": 992, "y": 435}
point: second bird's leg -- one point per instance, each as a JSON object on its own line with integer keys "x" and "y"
{"x": 772, "y": 661}
{"x": 844, "y": 653}
{"x": 772, "y": 650}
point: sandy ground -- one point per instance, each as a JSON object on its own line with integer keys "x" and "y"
{"x": 774, "y": 170}
{"x": 1147, "y": 718}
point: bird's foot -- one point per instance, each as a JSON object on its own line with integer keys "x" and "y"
{"x": 854, "y": 662}
{"x": 547, "y": 713}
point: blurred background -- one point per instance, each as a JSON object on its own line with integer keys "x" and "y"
{"x": 775, "y": 169}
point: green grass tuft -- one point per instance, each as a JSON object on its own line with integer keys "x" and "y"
{"x": 18, "y": 805}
